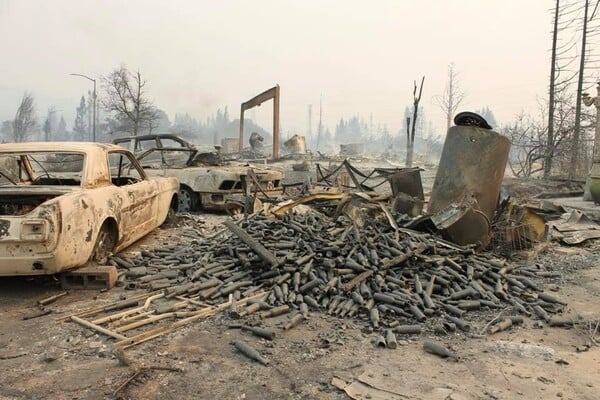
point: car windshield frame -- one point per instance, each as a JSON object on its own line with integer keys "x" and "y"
{"x": 33, "y": 171}
{"x": 163, "y": 161}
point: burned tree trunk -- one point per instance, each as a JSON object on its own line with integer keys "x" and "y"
{"x": 411, "y": 137}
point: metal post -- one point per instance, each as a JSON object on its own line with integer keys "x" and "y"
{"x": 94, "y": 123}
{"x": 93, "y": 105}
{"x": 276, "y": 124}
{"x": 241, "y": 142}
{"x": 89, "y": 116}
{"x": 256, "y": 101}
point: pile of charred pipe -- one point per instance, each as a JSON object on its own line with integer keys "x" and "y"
{"x": 391, "y": 279}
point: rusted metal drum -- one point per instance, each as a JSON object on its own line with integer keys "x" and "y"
{"x": 407, "y": 180}
{"x": 471, "y": 167}
{"x": 407, "y": 190}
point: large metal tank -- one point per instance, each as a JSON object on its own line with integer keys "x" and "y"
{"x": 471, "y": 167}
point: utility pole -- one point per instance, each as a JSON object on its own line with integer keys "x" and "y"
{"x": 90, "y": 115}
{"x": 577, "y": 130}
{"x": 320, "y": 121}
{"x": 309, "y": 132}
{"x": 94, "y": 105}
{"x": 450, "y": 98}
{"x": 550, "y": 142}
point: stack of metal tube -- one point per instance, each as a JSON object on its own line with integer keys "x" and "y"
{"x": 387, "y": 278}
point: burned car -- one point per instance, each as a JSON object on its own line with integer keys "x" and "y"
{"x": 64, "y": 204}
{"x": 206, "y": 180}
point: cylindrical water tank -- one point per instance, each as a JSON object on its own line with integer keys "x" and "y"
{"x": 472, "y": 165}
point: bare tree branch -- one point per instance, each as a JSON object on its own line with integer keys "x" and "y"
{"x": 453, "y": 96}
{"x": 125, "y": 96}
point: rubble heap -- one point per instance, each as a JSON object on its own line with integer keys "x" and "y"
{"x": 380, "y": 274}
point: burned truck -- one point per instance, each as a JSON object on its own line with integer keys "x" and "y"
{"x": 207, "y": 180}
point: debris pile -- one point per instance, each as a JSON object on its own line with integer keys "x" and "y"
{"x": 346, "y": 254}
{"x": 319, "y": 260}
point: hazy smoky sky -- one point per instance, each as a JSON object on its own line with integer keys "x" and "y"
{"x": 362, "y": 56}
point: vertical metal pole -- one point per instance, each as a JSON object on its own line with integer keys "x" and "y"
{"x": 549, "y": 152}
{"x": 91, "y": 125}
{"x": 241, "y": 143}
{"x": 89, "y": 115}
{"x": 276, "y": 124}
{"x": 309, "y": 133}
{"x": 247, "y": 194}
{"x": 320, "y": 121}
{"x": 94, "y": 124}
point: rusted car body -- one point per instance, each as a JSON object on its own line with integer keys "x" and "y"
{"x": 206, "y": 181}
{"x": 63, "y": 204}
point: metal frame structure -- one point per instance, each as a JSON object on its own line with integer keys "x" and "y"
{"x": 272, "y": 93}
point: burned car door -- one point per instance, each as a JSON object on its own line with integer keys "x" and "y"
{"x": 138, "y": 195}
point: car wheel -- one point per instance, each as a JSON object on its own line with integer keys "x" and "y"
{"x": 105, "y": 243}
{"x": 187, "y": 200}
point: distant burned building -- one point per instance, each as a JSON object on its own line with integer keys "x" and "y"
{"x": 352, "y": 149}
{"x": 230, "y": 145}
{"x": 295, "y": 144}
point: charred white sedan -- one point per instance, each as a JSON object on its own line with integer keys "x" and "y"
{"x": 206, "y": 181}
{"x": 63, "y": 204}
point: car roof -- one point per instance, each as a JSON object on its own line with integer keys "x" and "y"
{"x": 79, "y": 147}
{"x": 153, "y": 137}
{"x": 185, "y": 145}
{"x": 95, "y": 173}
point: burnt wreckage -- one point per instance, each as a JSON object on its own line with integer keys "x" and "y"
{"x": 206, "y": 180}
{"x": 64, "y": 204}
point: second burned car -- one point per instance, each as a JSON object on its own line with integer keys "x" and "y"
{"x": 206, "y": 181}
